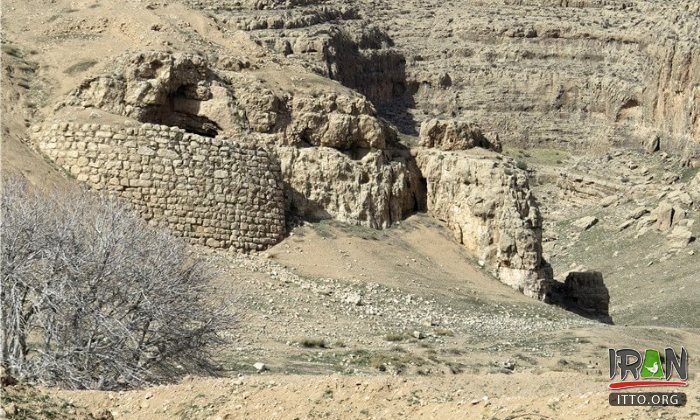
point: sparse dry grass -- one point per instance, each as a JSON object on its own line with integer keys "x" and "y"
{"x": 395, "y": 336}
{"x": 536, "y": 156}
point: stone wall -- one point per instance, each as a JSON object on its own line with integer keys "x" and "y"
{"x": 213, "y": 191}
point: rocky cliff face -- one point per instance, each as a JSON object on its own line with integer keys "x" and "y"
{"x": 487, "y": 203}
{"x": 562, "y": 73}
{"x": 373, "y": 190}
{"x": 672, "y": 99}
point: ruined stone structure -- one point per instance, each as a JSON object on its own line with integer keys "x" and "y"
{"x": 212, "y": 191}
{"x": 316, "y": 154}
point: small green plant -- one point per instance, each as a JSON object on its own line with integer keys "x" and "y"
{"x": 689, "y": 173}
{"x": 13, "y": 51}
{"x": 397, "y": 362}
{"x": 455, "y": 367}
{"x": 324, "y": 229}
{"x": 408, "y": 140}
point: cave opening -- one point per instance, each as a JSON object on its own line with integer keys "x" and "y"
{"x": 182, "y": 109}
{"x": 420, "y": 204}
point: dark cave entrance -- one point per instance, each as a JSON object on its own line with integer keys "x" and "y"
{"x": 420, "y": 204}
{"x": 181, "y": 109}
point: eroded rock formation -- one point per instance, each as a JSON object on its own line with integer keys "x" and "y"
{"x": 454, "y": 135}
{"x": 585, "y": 293}
{"x": 373, "y": 190}
{"x": 162, "y": 88}
{"x": 487, "y": 203}
{"x": 557, "y": 73}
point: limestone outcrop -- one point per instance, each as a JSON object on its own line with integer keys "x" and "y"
{"x": 189, "y": 92}
{"x": 454, "y": 135}
{"x": 339, "y": 122}
{"x": 672, "y": 100}
{"x": 373, "y": 190}
{"x": 163, "y": 88}
{"x": 486, "y": 202}
{"x": 589, "y": 74}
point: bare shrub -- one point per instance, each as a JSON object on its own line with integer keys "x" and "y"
{"x": 311, "y": 343}
{"x": 92, "y": 297}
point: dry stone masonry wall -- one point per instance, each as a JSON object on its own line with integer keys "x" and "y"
{"x": 213, "y": 191}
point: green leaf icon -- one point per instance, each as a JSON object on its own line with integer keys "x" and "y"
{"x": 652, "y": 365}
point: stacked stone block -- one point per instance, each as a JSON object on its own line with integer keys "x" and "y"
{"x": 212, "y": 191}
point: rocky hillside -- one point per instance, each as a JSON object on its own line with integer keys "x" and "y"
{"x": 222, "y": 151}
{"x": 555, "y": 73}
{"x": 413, "y": 208}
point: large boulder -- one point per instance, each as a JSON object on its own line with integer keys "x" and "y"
{"x": 585, "y": 293}
{"x": 665, "y": 215}
{"x": 680, "y": 237}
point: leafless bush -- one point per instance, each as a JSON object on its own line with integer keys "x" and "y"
{"x": 94, "y": 298}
